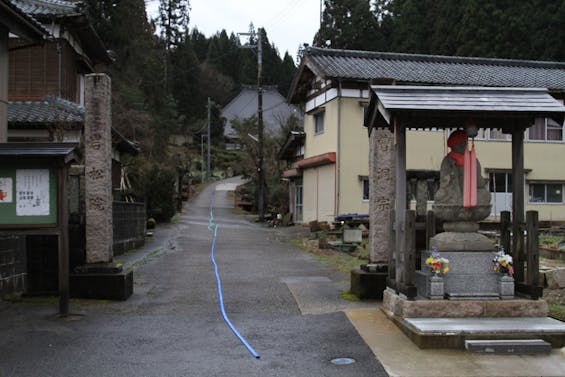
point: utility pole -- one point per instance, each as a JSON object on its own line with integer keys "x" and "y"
{"x": 208, "y": 171}
{"x": 260, "y": 126}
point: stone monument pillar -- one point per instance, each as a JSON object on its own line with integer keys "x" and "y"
{"x": 98, "y": 168}
{"x": 369, "y": 281}
{"x": 381, "y": 195}
{"x": 99, "y": 278}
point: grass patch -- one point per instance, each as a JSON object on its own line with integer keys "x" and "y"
{"x": 347, "y": 295}
{"x": 557, "y": 311}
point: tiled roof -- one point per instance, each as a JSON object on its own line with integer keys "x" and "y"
{"x": 434, "y": 69}
{"x": 31, "y": 27}
{"x": 39, "y": 150}
{"x": 48, "y": 8}
{"x": 48, "y": 110}
{"x": 244, "y": 105}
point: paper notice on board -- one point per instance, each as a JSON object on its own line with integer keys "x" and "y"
{"x": 6, "y": 190}
{"x": 32, "y": 192}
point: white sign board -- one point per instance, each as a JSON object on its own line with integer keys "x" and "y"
{"x": 32, "y": 192}
{"x": 6, "y": 190}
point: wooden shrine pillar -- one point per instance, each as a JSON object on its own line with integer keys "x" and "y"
{"x": 518, "y": 202}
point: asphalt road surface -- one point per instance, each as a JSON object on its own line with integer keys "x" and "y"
{"x": 274, "y": 293}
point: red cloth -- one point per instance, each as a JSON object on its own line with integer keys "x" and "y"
{"x": 458, "y": 157}
{"x": 470, "y": 178}
{"x": 456, "y": 137}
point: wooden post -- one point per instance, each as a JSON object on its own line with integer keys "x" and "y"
{"x": 430, "y": 227}
{"x": 533, "y": 254}
{"x": 4, "y": 59}
{"x": 391, "y": 253}
{"x": 518, "y": 203}
{"x": 505, "y": 225}
{"x": 63, "y": 241}
{"x": 410, "y": 254}
{"x": 400, "y": 203}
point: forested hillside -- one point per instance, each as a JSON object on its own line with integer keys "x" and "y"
{"x": 164, "y": 70}
{"x": 512, "y": 29}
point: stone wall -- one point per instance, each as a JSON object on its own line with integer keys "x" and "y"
{"x": 13, "y": 265}
{"x": 129, "y": 226}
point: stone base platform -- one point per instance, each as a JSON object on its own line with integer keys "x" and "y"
{"x": 448, "y": 324}
{"x": 105, "y": 282}
{"x": 398, "y": 306}
{"x": 368, "y": 285}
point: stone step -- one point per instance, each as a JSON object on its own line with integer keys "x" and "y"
{"x": 510, "y": 346}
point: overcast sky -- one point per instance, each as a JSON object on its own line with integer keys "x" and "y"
{"x": 288, "y": 23}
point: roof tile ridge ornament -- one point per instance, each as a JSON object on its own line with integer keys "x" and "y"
{"x": 318, "y": 51}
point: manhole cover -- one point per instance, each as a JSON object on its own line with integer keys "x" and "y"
{"x": 342, "y": 361}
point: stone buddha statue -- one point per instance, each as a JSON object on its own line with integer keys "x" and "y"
{"x": 449, "y": 198}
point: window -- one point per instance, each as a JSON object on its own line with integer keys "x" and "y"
{"x": 319, "y": 122}
{"x": 492, "y": 134}
{"x": 546, "y": 129}
{"x": 546, "y": 193}
{"x": 365, "y": 181}
{"x": 500, "y": 182}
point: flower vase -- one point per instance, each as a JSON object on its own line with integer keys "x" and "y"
{"x": 435, "y": 287}
{"x": 506, "y": 286}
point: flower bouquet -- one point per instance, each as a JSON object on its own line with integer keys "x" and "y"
{"x": 437, "y": 264}
{"x": 502, "y": 263}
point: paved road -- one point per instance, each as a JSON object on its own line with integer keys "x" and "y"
{"x": 285, "y": 303}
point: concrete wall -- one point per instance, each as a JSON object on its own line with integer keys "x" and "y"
{"x": 353, "y": 159}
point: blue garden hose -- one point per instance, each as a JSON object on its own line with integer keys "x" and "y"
{"x": 214, "y": 227}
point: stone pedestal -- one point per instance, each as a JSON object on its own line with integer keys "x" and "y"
{"x": 470, "y": 277}
{"x": 435, "y": 289}
{"x": 101, "y": 281}
{"x": 506, "y": 287}
{"x": 367, "y": 284}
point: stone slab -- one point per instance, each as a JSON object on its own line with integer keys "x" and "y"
{"x": 487, "y": 325}
{"x": 516, "y": 346}
{"x": 461, "y": 241}
{"x": 352, "y": 235}
{"x": 556, "y": 278}
{"x": 454, "y": 332}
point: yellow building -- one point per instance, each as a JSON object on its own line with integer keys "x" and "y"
{"x": 332, "y": 86}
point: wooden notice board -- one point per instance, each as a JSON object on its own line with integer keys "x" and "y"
{"x": 28, "y": 196}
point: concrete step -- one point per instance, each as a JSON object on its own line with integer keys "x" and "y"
{"x": 455, "y": 332}
{"x": 510, "y": 346}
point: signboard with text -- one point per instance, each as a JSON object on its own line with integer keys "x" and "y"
{"x": 28, "y": 196}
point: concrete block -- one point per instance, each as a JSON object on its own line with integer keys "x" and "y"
{"x": 368, "y": 285}
{"x": 105, "y": 286}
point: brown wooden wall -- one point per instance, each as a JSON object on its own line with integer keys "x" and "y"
{"x": 34, "y": 71}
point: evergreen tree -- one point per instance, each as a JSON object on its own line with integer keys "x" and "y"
{"x": 347, "y": 24}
